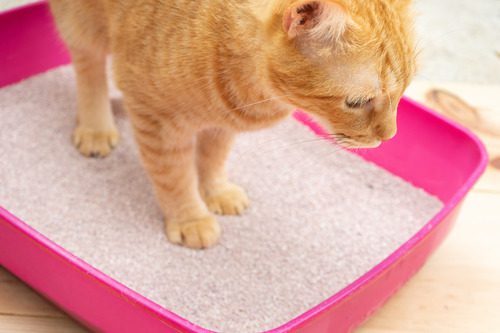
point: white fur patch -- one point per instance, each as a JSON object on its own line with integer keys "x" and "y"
{"x": 331, "y": 22}
{"x": 321, "y": 20}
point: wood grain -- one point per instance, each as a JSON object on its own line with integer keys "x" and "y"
{"x": 458, "y": 290}
{"x": 30, "y": 304}
{"x": 24, "y": 324}
{"x": 23, "y": 310}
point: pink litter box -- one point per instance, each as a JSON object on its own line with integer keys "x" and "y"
{"x": 429, "y": 151}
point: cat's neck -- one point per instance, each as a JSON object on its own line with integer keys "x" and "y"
{"x": 244, "y": 85}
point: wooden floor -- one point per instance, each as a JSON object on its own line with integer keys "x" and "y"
{"x": 458, "y": 291}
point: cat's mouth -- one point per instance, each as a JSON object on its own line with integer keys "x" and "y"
{"x": 351, "y": 140}
{"x": 373, "y": 144}
{"x": 350, "y": 143}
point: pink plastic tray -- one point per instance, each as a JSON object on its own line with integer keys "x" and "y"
{"x": 429, "y": 151}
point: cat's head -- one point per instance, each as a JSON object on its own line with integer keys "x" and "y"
{"x": 346, "y": 62}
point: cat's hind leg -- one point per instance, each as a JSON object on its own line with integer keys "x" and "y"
{"x": 168, "y": 155}
{"x": 220, "y": 195}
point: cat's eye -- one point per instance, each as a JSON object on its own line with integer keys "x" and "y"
{"x": 357, "y": 103}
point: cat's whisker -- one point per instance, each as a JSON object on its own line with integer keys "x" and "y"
{"x": 259, "y": 102}
{"x": 331, "y": 137}
{"x": 326, "y": 153}
{"x": 286, "y": 145}
{"x": 390, "y": 101}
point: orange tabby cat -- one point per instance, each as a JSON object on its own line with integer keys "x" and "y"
{"x": 195, "y": 73}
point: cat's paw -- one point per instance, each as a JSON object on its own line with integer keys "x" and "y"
{"x": 226, "y": 199}
{"x": 198, "y": 233}
{"x": 95, "y": 143}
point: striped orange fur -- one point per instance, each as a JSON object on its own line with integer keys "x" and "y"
{"x": 195, "y": 73}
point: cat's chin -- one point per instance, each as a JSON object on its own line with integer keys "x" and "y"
{"x": 361, "y": 145}
{"x": 373, "y": 144}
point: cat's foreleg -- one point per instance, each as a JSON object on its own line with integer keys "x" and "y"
{"x": 96, "y": 133}
{"x": 220, "y": 195}
{"x": 169, "y": 158}
{"x": 83, "y": 26}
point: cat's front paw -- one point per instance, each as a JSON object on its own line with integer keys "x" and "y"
{"x": 198, "y": 233}
{"x": 95, "y": 143}
{"x": 226, "y": 199}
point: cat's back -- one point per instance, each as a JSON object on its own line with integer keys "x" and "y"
{"x": 98, "y": 21}
{"x": 152, "y": 24}
{"x": 154, "y": 41}
{"x": 156, "y": 45}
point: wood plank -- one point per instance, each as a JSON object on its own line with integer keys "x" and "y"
{"x": 22, "y": 324}
{"x": 458, "y": 290}
{"x": 490, "y": 181}
{"x": 16, "y": 298}
{"x": 5, "y": 276}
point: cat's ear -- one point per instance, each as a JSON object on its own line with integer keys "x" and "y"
{"x": 321, "y": 19}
